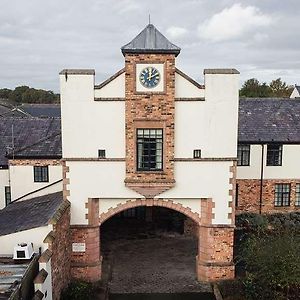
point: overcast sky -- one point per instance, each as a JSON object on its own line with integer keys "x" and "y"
{"x": 38, "y": 38}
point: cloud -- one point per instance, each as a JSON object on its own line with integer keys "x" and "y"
{"x": 231, "y": 23}
{"x": 176, "y": 32}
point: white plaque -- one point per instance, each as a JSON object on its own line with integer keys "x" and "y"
{"x": 78, "y": 247}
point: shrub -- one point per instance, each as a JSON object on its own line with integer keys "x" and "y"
{"x": 272, "y": 264}
{"x": 78, "y": 290}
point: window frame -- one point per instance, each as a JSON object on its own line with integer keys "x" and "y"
{"x": 38, "y": 175}
{"x": 197, "y": 154}
{"x": 7, "y": 191}
{"x": 271, "y": 155}
{"x": 101, "y": 153}
{"x": 240, "y": 163}
{"x": 297, "y": 198}
{"x": 279, "y": 200}
{"x": 138, "y": 138}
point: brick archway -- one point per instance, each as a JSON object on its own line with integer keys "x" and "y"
{"x": 150, "y": 202}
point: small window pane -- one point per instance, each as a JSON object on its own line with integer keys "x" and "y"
{"x": 274, "y": 155}
{"x": 101, "y": 153}
{"x": 297, "y": 202}
{"x": 41, "y": 174}
{"x": 7, "y": 195}
{"x": 282, "y": 194}
{"x": 243, "y": 155}
{"x": 149, "y": 149}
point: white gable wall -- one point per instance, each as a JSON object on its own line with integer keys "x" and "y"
{"x": 295, "y": 93}
{"x": 185, "y": 89}
{"x": 22, "y": 181}
{"x": 114, "y": 89}
{"x": 34, "y": 235}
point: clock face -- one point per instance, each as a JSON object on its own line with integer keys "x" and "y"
{"x": 149, "y": 77}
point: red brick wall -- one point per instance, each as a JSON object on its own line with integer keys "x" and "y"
{"x": 61, "y": 252}
{"x": 86, "y": 265}
{"x": 249, "y": 195}
{"x": 150, "y": 110}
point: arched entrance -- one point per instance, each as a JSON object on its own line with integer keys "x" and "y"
{"x": 215, "y": 242}
{"x": 145, "y": 249}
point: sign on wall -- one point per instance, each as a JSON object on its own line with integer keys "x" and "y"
{"x": 78, "y": 247}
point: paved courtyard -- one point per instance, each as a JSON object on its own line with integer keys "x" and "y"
{"x": 162, "y": 264}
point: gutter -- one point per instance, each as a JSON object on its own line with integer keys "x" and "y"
{"x": 261, "y": 177}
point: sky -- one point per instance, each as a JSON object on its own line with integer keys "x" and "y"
{"x": 38, "y": 38}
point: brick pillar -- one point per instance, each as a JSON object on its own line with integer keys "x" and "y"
{"x": 215, "y": 253}
{"x": 86, "y": 259}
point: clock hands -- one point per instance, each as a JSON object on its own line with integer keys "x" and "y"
{"x": 152, "y": 75}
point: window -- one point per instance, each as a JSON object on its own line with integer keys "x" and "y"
{"x": 243, "y": 155}
{"x": 149, "y": 149}
{"x": 282, "y": 194}
{"x": 41, "y": 174}
{"x": 197, "y": 153}
{"x": 297, "y": 202}
{"x": 7, "y": 195}
{"x": 274, "y": 155}
{"x": 101, "y": 153}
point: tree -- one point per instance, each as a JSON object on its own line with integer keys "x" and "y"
{"x": 280, "y": 88}
{"x": 277, "y": 88}
{"x": 253, "y": 88}
{"x": 26, "y": 94}
{"x": 5, "y": 93}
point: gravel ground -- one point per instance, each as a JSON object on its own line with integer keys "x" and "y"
{"x": 163, "y": 264}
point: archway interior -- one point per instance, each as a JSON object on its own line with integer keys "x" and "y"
{"x": 143, "y": 222}
{"x": 150, "y": 249}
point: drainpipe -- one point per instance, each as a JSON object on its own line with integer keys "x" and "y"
{"x": 261, "y": 177}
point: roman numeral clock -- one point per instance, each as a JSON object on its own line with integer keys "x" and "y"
{"x": 149, "y": 77}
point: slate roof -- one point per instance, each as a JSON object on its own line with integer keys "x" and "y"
{"x": 269, "y": 120}
{"x": 30, "y": 110}
{"x": 31, "y": 213}
{"x": 33, "y": 137}
{"x": 42, "y": 110}
{"x": 260, "y": 120}
{"x": 297, "y": 88}
{"x": 150, "y": 40}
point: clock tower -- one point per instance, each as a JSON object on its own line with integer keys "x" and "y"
{"x": 149, "y": 112}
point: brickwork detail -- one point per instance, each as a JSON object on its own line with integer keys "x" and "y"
{"x": 215, "y": 253}
{"x": 249, "y": 196}
{"x": 232, "y": 192}
{"x": 92, "y": 207}
{"x": 66, "y": 180}
{"x": 86, "y": 265}
{"x": 60, "y": 249}
{"x": 150, "y": 110}
{"x": 150, "y": 202}
{"x": 34, "y": 162}
{"x": 215, "y": 248}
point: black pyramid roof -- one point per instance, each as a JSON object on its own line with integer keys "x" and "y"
{"x": 150, "y": 40}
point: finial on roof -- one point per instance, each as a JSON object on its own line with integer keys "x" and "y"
{"x": 149, "y": 19}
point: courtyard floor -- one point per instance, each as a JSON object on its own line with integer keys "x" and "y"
{"x": 160, "y": 264}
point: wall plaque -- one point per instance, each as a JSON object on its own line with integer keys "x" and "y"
{"x": 78, "y": 247}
